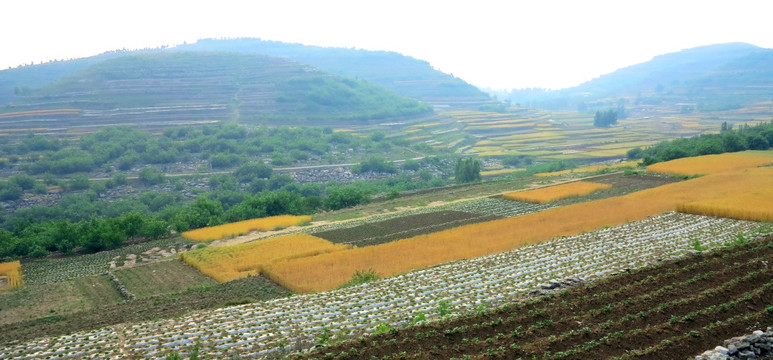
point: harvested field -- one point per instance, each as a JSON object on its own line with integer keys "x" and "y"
{"x": 674, "y": 310}
{"x": 162, "y": 277}
{"x": 402, "y": 227}
{"x": 57, "y": 299}
{"x": 556, "y": 192}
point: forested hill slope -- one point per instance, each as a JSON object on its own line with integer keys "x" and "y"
{"x": 405, "y": 75}
{"x": 174, "y": 87}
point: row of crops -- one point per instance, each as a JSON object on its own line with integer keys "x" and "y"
{"x": 674, "y": 310}
{"x": 284, "y": 325}
{"x": 55, "y": 270}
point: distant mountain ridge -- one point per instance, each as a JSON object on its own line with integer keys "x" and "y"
{"x": 714, "y": 75}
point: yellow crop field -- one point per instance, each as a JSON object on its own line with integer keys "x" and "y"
{"x": 244, "y": 227}
{"x": 12, "y": 272}
{"x": 227, "y": 263}
{"x": 713, "y": 164}
{"x": 753, "y": 204}
{"x": 557, "y": 192}
{"x": 328, "y": 271}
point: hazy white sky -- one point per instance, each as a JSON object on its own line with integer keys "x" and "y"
{"x": 497, "y": 44}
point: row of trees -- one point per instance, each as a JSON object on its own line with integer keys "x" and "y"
{"x": 757, "y": 137}
{"x": 252, "y": 191}
{"x": 39, "y": 239}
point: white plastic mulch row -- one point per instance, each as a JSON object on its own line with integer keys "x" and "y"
{"x": 261, "y": 329}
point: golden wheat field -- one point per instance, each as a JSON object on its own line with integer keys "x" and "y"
{"x": 712, "y": 164}
{"x": 557, "y": 192}
{"x": 244, "y": 227}
{"x": 12, "y": 270}
{"x": 756, "y": 204}
{"x": 328, "y": 271}
{"x": 227, "y": 263}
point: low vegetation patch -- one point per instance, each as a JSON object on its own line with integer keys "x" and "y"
{"x": 161, "y": 277}
{"x": 244, "y": 227}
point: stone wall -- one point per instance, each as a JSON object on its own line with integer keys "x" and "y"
{"x": 758, "y": 345}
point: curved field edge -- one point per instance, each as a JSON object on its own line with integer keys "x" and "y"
{"x": 269, "y": 328}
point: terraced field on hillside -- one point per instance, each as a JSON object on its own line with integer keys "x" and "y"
{"x": 283, "y": 325}
{"x": 673, "y": 310}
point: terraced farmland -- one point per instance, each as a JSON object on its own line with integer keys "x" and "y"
{"x": 277, "y": 326}
{"x": 673, "y": 310}
{"x": 375, "y": 233}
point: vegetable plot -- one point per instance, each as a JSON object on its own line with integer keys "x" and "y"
{"x": 673, "y": 310}
{"x": 283, "y": 325}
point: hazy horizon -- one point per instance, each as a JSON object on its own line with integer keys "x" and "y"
{"x": 492, "y": 44}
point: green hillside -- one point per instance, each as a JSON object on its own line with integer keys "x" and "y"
{"x": 179, "y": 87}
{"x": 403, "y": 74}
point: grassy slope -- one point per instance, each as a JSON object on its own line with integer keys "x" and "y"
{"x": 162, "y": 277}
{"x": 57, "y": 299}
{"x": 156, "y": 307}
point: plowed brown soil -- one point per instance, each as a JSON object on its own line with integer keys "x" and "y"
{"x": 674, "y": 310}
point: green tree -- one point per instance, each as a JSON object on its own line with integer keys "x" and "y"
{"x": 345, "y": 196}
{"x": 151, "y": 176}
{"x": 467, "y": 170}
{"x": 605, "y": 118}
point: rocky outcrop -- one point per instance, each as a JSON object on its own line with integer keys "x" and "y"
{"x": 758, "y": 345}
